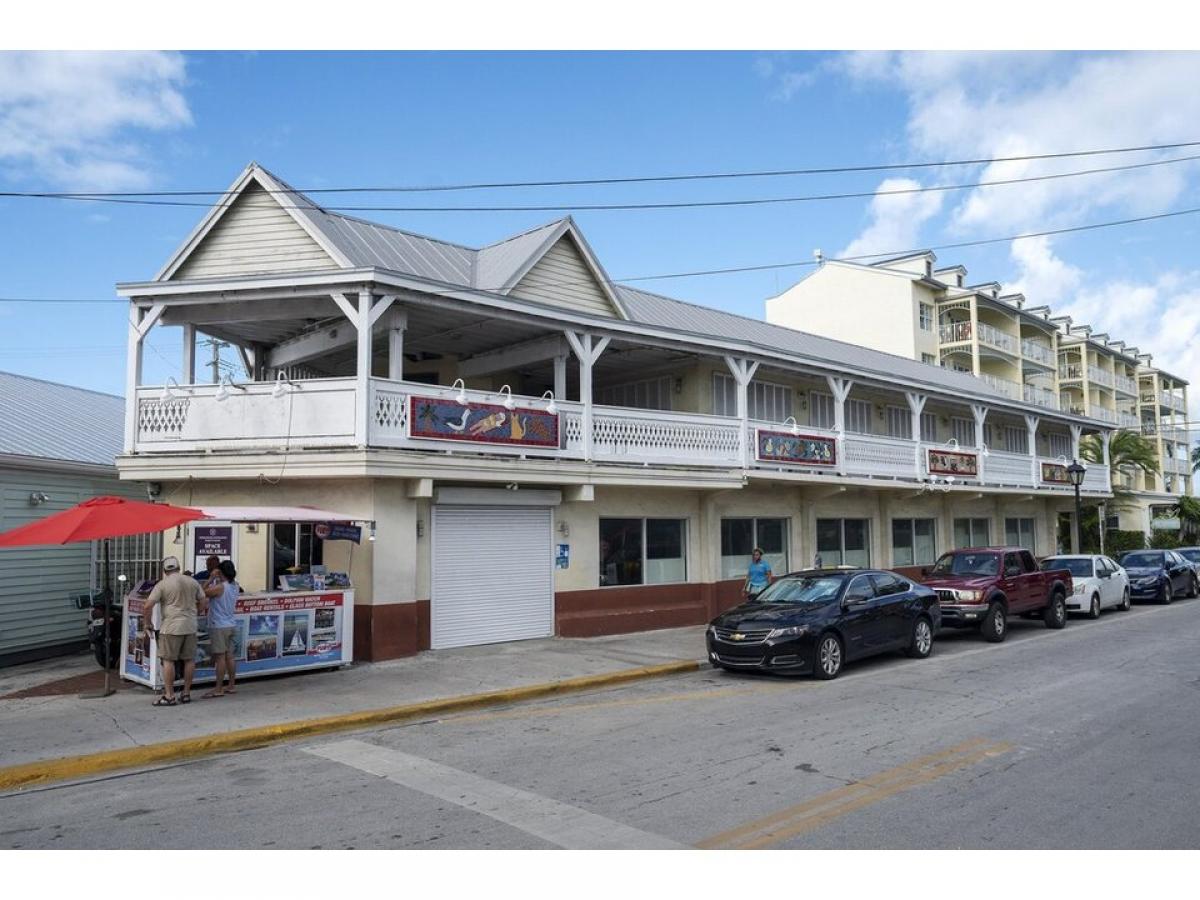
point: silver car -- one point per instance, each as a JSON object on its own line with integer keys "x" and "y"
{"x": 1099, "y": 583}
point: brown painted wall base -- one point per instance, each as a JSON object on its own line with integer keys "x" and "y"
{"x": 620, "y": 610}
{"x": 391, "y": 630}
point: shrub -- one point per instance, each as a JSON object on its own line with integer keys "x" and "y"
{"x": 1117, "y": 542}
{"x": 1163, "y": 539}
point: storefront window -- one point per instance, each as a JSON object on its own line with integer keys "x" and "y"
{"x": 844, "y": 542}
{"x": 642, "y": 551}
{"x": 971, "y": 533}
{"x": 913, "y": 542}
{"x": 1019, "y": 533}
{"x": 739, "y": 537}
{"x": 294, "y": 548}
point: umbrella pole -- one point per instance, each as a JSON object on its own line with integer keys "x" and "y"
{"x": 108, "y": 688}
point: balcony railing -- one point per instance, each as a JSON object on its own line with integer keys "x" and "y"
{"x": 1010, "y": 389}
{"x": 994, "y": 337}
{"x": 320, "y": 414}
{"x": 1096, "y": 375}
{"x": 1104, "y": 415}
{"x": 1125, "y": 385}
{"x": 954, "y": 332}
{"x": 1037, "y": 352}
{"x": 1070, "y": 371}
{"x": 1127, "y": 420}
{"x": 1040, "y": 396}
{"x": 1171, "y": 401}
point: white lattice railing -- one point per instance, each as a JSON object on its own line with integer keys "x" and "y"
{"x": 868, "y": 454}
{"x": 1002, "y": 468}
{"x": 656, "y": 436}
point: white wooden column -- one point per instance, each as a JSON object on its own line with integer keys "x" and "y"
{"x": 916, "y": 405}
{"x": 1076, "y": 434}
{"x": 189, "y": 354}
{"x": 363, "y": 317}
{"x": 141, "y": 320}
{"x": 587, "y": 350}
{"x": 979, "y": 411}
{"x": 1031, "y": 428}
{"x": 840, "y": 388}
{"x": 560, "y": 377}
{"x": 742, "y": 371}
{"x": 396, "y": 327}
{"x": 1105, "y": 439}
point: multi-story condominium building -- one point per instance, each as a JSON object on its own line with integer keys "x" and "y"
{"x": 906, "y": 306}
{"x": 544, "y": 451}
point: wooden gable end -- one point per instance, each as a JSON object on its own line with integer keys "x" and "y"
{"x": 256, "y": 235}
{"x": 563, "y": 278}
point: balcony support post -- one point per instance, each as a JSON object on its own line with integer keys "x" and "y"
{"x": 1031, "y": 428}
{"x": 1076, "y": 434}
{"x": 587, "y": 349}
{"x": 560, "y": 377}
{"x": 840, "y": 388}
{"x": 362, "y": 370}
{"x": 141, "y": 320}
{"x": 979, "y": 411}
{"x": 1105, "y": 438}
{"x": 397, "y": 325}
{"x": 916, "y": 405}
{"x": 742, "y": 371}
{"x": 189, "y": 354}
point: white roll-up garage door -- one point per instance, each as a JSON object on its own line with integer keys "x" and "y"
{"x": 492, "y": 575}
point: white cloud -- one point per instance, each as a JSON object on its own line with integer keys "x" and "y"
{"x": 70, "y": 119}
{"x": 1044, "y": 278}
{"x": 896, "y": 219}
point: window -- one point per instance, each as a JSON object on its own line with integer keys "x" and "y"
{"x": 293, "y": 549}
{"x": 820, "y": 410}
{"x": 887, "y": 584}
{"x": 971, "y": 533}
{"x": 929, "y": 427}
{"x": 1018, "y": 532}
{"x": 654, "y": 393}
{"x": 739, "y": 537}
{"x": 963, "y": 431}
{"x": 1059, "y": 444}
{"x": 1015, "y": 439}
{"x": 858, "y": 416}
{"x": 642, "y": 551}
{"x": 925, "y": 316}
{"x": 860, "y": 589}
{"x": 913, "y": 542}
{"x": 929, "y": 359}
{"x": 844, "y": 542}
{"x": 899, "y": 422}
{"x": 765, "y": 401}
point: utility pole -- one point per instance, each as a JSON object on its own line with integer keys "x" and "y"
{"x": 215, "y": 363}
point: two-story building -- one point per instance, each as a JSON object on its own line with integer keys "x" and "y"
{"x": 544, "y": 451}
{"x": 907, "y": 306}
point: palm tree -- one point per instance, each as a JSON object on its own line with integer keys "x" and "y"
{"x": 1189, "y": 516}
{"x": 1127, "y": 451}
{"x": 1196, "y": 458}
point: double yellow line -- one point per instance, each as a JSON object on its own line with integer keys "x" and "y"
{"x": 812, "y": 814}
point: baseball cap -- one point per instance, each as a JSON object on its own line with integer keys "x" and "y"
{"x": 170, "y": 564}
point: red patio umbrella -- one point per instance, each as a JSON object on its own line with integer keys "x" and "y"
{"x": 99, "y": 518}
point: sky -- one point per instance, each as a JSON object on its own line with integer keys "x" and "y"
{"x": 192, "y": 121}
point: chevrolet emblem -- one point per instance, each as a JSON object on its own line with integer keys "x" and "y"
{"x": 737, "y": 636}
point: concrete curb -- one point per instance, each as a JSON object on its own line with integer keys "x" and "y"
{"x": 71, "y": 767}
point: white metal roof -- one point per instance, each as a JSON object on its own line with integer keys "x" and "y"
{"x": 42, "y": 419}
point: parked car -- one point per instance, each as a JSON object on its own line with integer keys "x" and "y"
{"x": 1192, "y": 555}
{"x": 815, "y": 621}
{"x": 1159, "y": 575}
{"x": 982, "y": 586}
{"x": 1099, "y": 583}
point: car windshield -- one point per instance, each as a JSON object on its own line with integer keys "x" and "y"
{"x": 807, "y": 589}
{"x": 968, "y": 564}
{"x": 1192, "y": 555}
{"x": 1079, "y": 568}
{"x": 1142, "y": 560}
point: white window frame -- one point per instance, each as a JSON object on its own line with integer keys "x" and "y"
{"x": 899, "y": 422}
{"x": 626, "y": 393}
{"x": 912, "y": 523}
{"x": 1058, "y": 445}
{"x": 972, "y": 541}
{"x": 929, "y": 359}
{"x": 821, "y": 410}
{"x": 841, "y": 520}
{"x": 1016, "y": 438}
{"x": 1020, "y": 542}
{"x": 960, "y": 427}
{"x": 858, "y": 416}
{"x": 929, "y": 429}
{"x": 754, "y": 542}
{"x": 766, "y": 401}
{"x": 925, "y": 316}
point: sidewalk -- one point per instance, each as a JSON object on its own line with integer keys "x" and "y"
{"x": 51, "y": 726}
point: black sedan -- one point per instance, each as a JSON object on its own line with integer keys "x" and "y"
{"x": 1159, "y": 575}
{"x": 814, "y": 621}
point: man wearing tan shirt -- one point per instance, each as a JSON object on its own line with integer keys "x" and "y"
{"x": 181, "y": 597}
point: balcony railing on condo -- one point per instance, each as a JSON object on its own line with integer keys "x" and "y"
{"x": 1037, "y": 352}
{"x": 1127, "y": 420}
{"x": 954, "y": 332}
{"x": 1010, "y": 389}
{"x": 1125, "y": 385}
{"x": 321, "y": 414}
{"x": 1070, "y": 371}
{"x": 1104, "y": 415}
{"x": 1171, "y": 401}
{"x": 994, "y": 337}
{"x": 1096, "y": 375}
{"x": 1040, "y": 396}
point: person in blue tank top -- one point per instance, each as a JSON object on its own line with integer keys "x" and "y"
{"x": 222, "y": 624}
{"x": 758, "y": 577}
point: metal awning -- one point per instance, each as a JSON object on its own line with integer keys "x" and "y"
{"x": 276, "y": 514}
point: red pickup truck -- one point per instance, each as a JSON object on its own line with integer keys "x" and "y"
{"x": 981, "y": 587}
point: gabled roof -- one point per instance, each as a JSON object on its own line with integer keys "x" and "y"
{"x": 45, "y": 420}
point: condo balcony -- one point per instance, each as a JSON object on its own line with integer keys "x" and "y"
{"x": 1037, "y": 353}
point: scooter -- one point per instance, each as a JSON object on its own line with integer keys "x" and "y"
{"x": 102, "y": 608}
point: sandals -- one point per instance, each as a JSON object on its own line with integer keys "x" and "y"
{"x": 164, "y": 701}
{"x": 185, "y": 698}
{"x": 212, "y": 694}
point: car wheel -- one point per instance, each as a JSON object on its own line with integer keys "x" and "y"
{"x": 829, "y": 658}
{"x": 1056, "y": 612}
{"x": 921, "y": 644}
{"x": 1094, "y": 610}
{"x": 995, "y": 624}
{"x": 1126, "y": 603}
{"x": 1193, "y": 587}
{"x": 1168, "y": 594}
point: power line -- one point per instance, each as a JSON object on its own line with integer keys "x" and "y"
{"x": 625, "y": 207}
{"x": 640, "y": 179}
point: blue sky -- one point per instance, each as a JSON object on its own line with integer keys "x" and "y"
{"x": 193, "y": 121}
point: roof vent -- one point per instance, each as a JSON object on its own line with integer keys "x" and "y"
{"x": 819, "y": 256}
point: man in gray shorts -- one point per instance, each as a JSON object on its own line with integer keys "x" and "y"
{"x": 181, "y": 597}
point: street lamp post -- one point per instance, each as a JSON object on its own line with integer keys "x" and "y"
{"x": 1076, "y": 472}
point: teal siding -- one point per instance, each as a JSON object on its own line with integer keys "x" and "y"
{"x": 36, "y": 582}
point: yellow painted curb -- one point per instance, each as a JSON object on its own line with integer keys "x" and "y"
{"x": 70, "y": 767}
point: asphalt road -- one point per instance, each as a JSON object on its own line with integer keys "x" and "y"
{"x": 1083, "y": 738}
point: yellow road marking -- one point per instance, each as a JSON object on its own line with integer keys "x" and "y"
{"x": 819, "y": 811}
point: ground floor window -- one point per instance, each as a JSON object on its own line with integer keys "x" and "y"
{"x": 739, "y": 537}
{"x": 844, "y": 542}
{"x": 294, "y": 548}
{"x": 971, "y": 533}
{"x": 913, "y": 542}
{"x": 1019, "y": 533}
{"x": 642, "y": 551}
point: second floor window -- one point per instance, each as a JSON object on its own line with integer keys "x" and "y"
{"x": 858, "y": 416}
{"x": 925, "y": 316}
{"x": 899, "y": 422}
{"x": 963, "y": 431}
{"x": 765, "y": 401}
{"x": 653, "y": 393}
{"x": 820, "y": 410}
{"x": 1059, "y": 444}
{"x": 1016, "y": 439}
